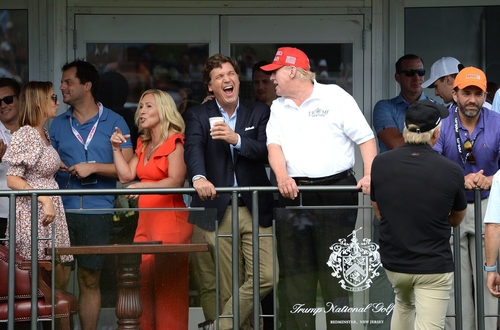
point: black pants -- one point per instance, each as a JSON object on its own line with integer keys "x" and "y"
{"x": 304, "y": 240}
{"x": 3, "y": 227}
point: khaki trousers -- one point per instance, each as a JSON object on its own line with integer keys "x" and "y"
{"x": 266, "y": 252}
{"x": 421, "y": 300}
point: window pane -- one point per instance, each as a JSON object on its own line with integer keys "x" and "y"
{"x": 469, "y": 34}
{"x": 175, "y": 68}
{"x": 331, "y": 62}
{"x": 14, "y": 44}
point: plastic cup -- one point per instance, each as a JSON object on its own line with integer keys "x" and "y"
{"x": 214, "y": 120}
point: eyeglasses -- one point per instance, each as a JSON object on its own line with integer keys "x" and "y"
{"x": 54, "y": 98}
{"x": 411, "y": 72}
{"x": 7, "y": 100}
{"x": 469, "y": 156}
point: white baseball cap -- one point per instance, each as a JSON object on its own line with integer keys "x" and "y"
{"x": 443, "y": 67}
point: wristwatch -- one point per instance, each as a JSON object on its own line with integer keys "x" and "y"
{"x": 490, "y": 268}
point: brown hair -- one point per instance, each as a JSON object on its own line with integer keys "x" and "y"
{"x": 216, "y": 61}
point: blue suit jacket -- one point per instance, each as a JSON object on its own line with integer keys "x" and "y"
{"x": 212, "y": 158}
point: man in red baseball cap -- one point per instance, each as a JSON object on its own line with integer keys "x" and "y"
{"x": 310, "y": 138}
{"x": 288, "y": 56}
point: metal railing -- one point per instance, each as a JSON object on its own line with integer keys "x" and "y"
{"x": 235, "y": 243}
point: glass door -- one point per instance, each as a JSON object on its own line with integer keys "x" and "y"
{"x": 334, "y": 45}
{"x": 167, "y": 52}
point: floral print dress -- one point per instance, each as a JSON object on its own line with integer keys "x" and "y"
{"x": 31, "y": 159}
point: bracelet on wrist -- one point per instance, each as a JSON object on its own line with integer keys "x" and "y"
{"x": 490, "y": 268}
{"x": 117, "y": 149}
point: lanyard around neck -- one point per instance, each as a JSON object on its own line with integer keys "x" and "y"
{"x": 459, "y": 140}
{"x": 92, "y": 131}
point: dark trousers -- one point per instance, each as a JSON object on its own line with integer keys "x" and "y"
{"x": 3, "y": 227}
{"x": 304, "y": 240}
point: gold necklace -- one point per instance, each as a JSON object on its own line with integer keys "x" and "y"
{"x": 150, "y": 151}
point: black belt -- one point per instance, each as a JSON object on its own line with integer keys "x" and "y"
{"x": 240, "y": 202}
{"x": 327, "y": 179}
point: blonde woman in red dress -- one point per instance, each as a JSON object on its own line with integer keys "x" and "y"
{"x": 158, "y": 162}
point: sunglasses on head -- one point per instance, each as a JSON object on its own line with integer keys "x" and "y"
{"x": 411, "y": 72}
{"x": 469, "y": 156}
{"x": 7, "y": 99}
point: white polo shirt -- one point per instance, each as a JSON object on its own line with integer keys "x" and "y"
{"x": 492, "y": 214}
{"x": 318, "y": 137}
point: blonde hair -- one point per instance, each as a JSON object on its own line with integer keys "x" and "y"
{"x": 418, "y": 138}
{"x": 170, "y": 118}
{"x": 31, "y": 111}
{"x": 306, "y": 75}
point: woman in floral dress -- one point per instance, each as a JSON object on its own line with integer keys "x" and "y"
{"x": 33, "y": 162}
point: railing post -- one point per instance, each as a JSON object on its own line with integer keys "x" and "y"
{"x": 12, "y": 265}
{"x": 34, "y": 261}
{"x": 478, "y": 227}
{"x": 457, "y": 279}
{"x": 255, "y": 258}
{"x": 236, "y": 260}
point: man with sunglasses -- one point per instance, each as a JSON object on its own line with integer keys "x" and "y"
{"x": 388, "y": 122}
{"x": 389, "y": 115}
{"x": 470, "y": 137}
{"x": 9, "y": 110}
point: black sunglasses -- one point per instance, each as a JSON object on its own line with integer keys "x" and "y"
{"x": 411, "y": 72}
{"x": 54, "y": 98}
{"x": 469, "y": 156}
{"x": 7, "y": 99}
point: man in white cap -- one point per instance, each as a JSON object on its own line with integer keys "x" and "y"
{"x": 443, "y": 73}
{"x": 470, "y": 138}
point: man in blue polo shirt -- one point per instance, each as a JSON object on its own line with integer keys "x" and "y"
{"x": 470, "y": 137}
{"x": 81, "y": 137}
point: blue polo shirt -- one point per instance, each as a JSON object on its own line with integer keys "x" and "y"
{"x": 72, "y": 152}
{"x": 486, "y": 148}
{"x": 391, "y": 113}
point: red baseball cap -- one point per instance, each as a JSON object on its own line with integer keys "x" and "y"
{"x": 288, "y": 56}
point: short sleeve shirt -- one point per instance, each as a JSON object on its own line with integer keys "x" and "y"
{"x": 486, "y": 148}
{"x": 72, "y": 152}
{"x": 493, "y": 209}
{"x": 415, "y": 189}
{"x": 318, "y": 138}
{"x": 391, "y": 113}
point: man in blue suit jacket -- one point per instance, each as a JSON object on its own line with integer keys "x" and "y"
{"x": 231, "y": 154}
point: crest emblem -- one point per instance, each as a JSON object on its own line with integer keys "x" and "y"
{"x": 355, "y": 263}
